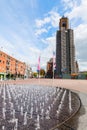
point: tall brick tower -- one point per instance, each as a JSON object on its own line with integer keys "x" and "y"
{"x": 65, "y": 50}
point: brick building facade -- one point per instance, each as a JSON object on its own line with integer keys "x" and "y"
{"x": 49, "y": 73}
{"x": 11, "y": 67}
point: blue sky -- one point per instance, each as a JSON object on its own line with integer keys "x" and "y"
{"x": 28, "y": 28}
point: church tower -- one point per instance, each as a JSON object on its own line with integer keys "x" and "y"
{"x": 65, "y": 50}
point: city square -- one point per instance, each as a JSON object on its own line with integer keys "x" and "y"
{"x": 75, "y": 122}
{"x": 42, "y": 106}
{"x": 43, "y": 65}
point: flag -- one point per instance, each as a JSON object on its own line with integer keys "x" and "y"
{"x": 54, "y": 60}
{"x": 38, "y": 67}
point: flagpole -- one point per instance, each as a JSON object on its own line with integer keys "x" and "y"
{"x": 53, "y": 66}
{"x": 38, "y": 68}
{"x": 39, "y": 74}
{"x": 53, "y": 70}
{"x": 53, "y": 75}
{"x": 53, "y": 63}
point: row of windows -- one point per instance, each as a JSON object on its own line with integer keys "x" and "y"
{"x": 2, "y": 61}
{"x": 7, "y": 62}
{"x": 2, "y": 55}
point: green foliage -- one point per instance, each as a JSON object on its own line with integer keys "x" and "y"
{"x": 85, "y": 73}
{"x": 42, "y": 72}
{"x": 8, "y": 76}
{"x": 35, "y": 74}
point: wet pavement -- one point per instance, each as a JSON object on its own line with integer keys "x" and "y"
{"x": 79, "y": 122}
{"x": 72, "y": 84}
{"x": 31, "y": 107}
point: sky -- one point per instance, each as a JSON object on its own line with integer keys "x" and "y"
{"x": 28, "y": 29}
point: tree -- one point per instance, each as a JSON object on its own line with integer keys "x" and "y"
{"x": 35, "y": 74}
{"x": 8, "y": 76}
{"x": 42, "y": 72}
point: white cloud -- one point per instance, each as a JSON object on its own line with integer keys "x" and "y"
{"x": 40, "y": 31}
{"x": 51, "y": 41}
{"x": 52, "y": 17}
{"x": 48, "y": 52}
{"x": 70, "y": 4}
{"x": 51, "y": 20}
{"x": 6, "y": 45}
{"x": 81, "y": 33}
{"x": 83, "y": 66}
{"x": 79, "y": 11}
{"x": 20, "y": 49}
{"x": 41, "y": 23}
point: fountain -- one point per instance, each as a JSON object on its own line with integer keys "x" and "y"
{"x": 3, "y": 127}
{"x": 35, "y": 107}
{"x": 21, "y": 111}
{"x": 25, "y": 118}
{"x": 31, "y": 112}
{"x": 13, "y": 114}
{"x": 70, "y": 102}
{"x": 47, "y": 114}
{"x": 37, "y": 123}
{"x": 16, "y": 124}
{"x": 42, "y": 113}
